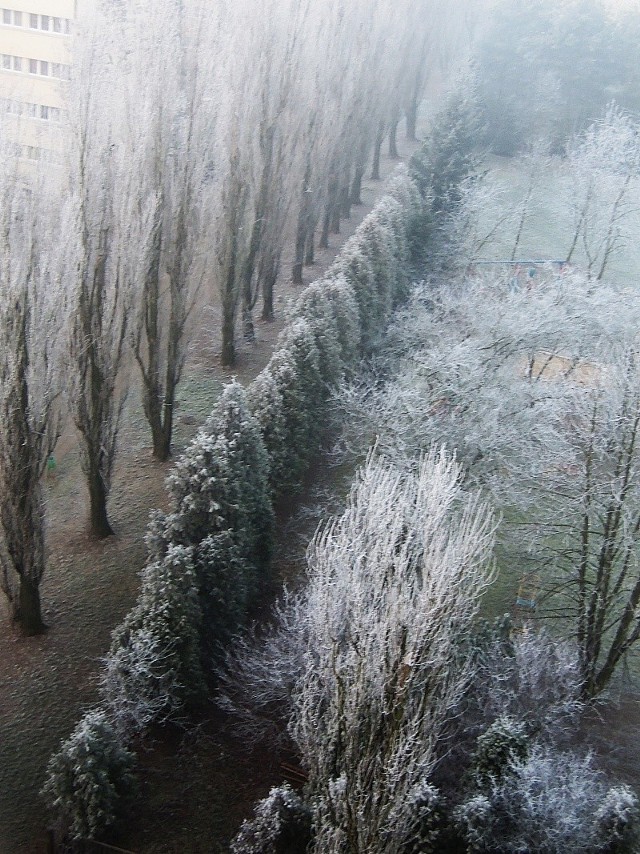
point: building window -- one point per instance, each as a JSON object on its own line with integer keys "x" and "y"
{"x": 44, "y": 22}
{"x": 6, "y": 16}
{"x": 6, "y": 62}
{"x": 57, "y": 25}
{"x": 33, "y": 66}
{"x": 33, "y": 22}
{"x": 32, "y": 111}
{"x": 17, "y": 63}
{"x": 17, "y": 19}
{"x": 44, "y": 68}
{"x": 44, "y": 112}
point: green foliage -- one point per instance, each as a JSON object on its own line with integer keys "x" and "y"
{"x": 504, "y": 742}
{"x": 90, "y": 779}
{"x": 286, "y": 399}
{"x": 249, "y": 467}
{"x": 344, "y": 308}
{"x": 356, "y": 268}
{"x": 315, "y": 307}
{"x": 168, "y": 616}
{"x": 449, "y": 155}
{"x": 227, "y": 584}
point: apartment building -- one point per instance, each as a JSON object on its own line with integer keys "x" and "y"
{"x": 35, "y": 57}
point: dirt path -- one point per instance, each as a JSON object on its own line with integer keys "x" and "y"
{"x": 47, "y": 682}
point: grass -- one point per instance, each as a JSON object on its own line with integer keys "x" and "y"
{"x": 547, "y": 229}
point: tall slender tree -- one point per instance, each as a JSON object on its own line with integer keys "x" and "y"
{"x": 32, "y": 323}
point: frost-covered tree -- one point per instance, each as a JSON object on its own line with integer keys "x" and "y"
{"x": 32, "y": 330}
{"x": 166, "y": 66}
{"x": 537, "y": 389}
{"x": 602, "y": 171}
{"x": 393, "y": 586}
{"x": 104, "y": 262}
{"x": 153, "y": 667}
{"x": 90, "y": 780}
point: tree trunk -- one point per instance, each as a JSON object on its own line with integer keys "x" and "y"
{"x": 412, "y": 120}
{"x": 228, "y": 350}
{"x": 345, "y": 196}
{"x": 393, "y": 139}
{"x": 309, "y": 257}
{"x": 28, "y": 615}
{"x": 377, "y": 148}
{"x": 99, "y": 526}
{"x": 302, "y": 227}
{"x": 326, "y": 222}
{"x": 248, "y": 330}
{"x": 356, "y": 186}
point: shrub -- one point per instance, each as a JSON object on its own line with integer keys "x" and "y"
{"x": 90, "y": 779}
{"x": 281, "y": 825}
{"x": 267, "y": 405}
{"x": 549, "y": 802}
{"x": 502, "y": 744}
{"x": 531, "y": 677}
{"x": 167, "y": 620}
{"x": 227, "y": 582}
{"x": 284, "y": 399}
{"x": 427, "y": 824}
{"x": 314, "y": 307}
{"x": 356, "y": 268}
{"x": 249, "y": 468}
{"x": 344, "y": 308}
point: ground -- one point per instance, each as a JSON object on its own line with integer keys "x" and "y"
{"x": 194, "y": 796}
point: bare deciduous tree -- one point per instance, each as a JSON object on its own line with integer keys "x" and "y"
{"x": 394, "y": 584}
{"x": 105, "y": 263}
{"x": 32, "y": 318}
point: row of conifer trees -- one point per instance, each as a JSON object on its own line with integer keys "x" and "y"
{"x": 209, "y": 556}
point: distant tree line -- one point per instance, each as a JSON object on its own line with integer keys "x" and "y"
{"x": 548, "y": 69}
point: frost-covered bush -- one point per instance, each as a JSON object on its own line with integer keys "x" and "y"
{"x": 344, "y": 308}
{"x": 314, "y": 306}
{"x": 533, "y": 678}
{"x": 375, "y": 240}
{"x": 356, "y": 268}
{"x": 90, "y": 780}
{"x": 502, "y": 744}
{"x": 261, "y": 672}
{"x": 550, "y": 802}
{"x": 427, "y": 822}
{"x": 167, "y": 621}
{"x": 138, "y": 682}
{"x": 281, "y": 825}
{"x": 222, "y": 510}
{"x": 249, "y": 467}
{"x": 285, "y": 400}
{"x": 405, "y": 191}
{"x": 299, "y": 341}
{"x": 227, "y": 584}
{"x": 266, "y": 401}
{"x": 390, "y": 217}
